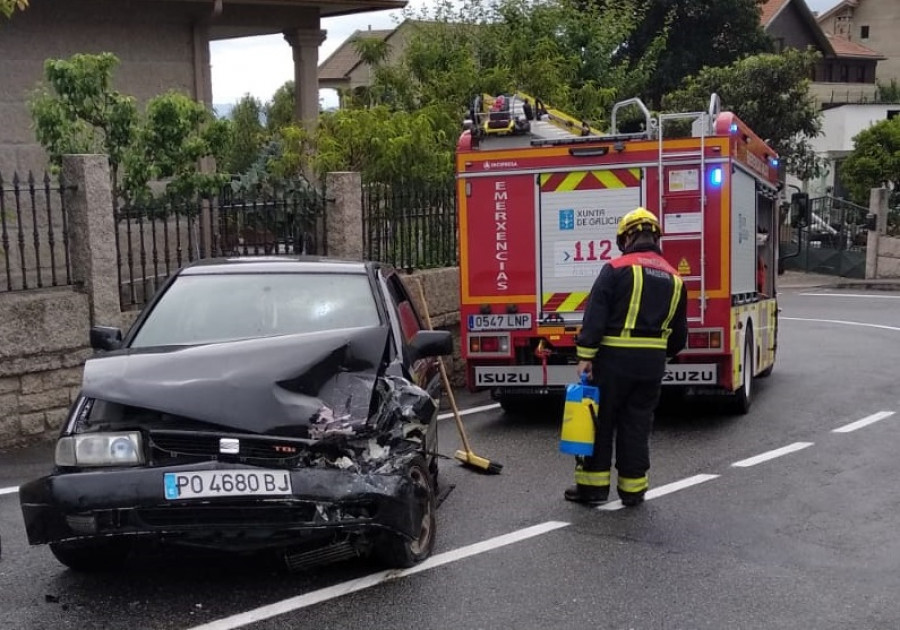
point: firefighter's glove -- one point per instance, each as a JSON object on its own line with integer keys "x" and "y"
{"x": 585, "y": 367}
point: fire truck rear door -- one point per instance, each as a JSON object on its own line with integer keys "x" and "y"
{"x": 577, "y": 219}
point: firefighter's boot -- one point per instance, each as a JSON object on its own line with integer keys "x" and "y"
{"x": 631, "y": 499}
{"x": 587, "y": 495}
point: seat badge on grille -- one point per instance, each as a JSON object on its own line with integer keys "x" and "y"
{"x": 229, "y": 446}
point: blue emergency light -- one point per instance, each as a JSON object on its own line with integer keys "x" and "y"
{"x": 715, "y": 177}
{"x": 733, "y": 128}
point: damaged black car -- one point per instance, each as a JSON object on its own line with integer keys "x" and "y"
{"x": 265, "y": 404}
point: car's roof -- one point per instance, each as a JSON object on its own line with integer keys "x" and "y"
{"x": 277, "y": 264}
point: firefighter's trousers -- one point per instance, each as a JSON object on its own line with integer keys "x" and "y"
{"x": 626, "y": 415}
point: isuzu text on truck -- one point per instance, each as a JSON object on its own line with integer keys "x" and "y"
{"x": 539, "y": 197}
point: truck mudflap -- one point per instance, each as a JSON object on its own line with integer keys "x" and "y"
{"x": 525, "y": 376}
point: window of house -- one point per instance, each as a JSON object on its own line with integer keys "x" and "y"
{"x": 860, "y": 74}
{"x": 864, "y": 32}
{"x": 779, "y": 44}
{"x": 845, "y": 73}
{"x": 893, "y": 113}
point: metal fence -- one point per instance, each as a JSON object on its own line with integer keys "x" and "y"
{"x": 34, "y": 234}
{"x": 410, "y": 227}
{"x": 835, "y": 241}
{"x": 155, "y": 240}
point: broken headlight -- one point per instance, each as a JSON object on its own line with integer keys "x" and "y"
{"x": 100, "y": 449}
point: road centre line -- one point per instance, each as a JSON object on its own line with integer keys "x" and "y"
{"x": 359, "y": 584}
{"x": 839, "y": 321}
{"x": 778, "y": 452}
{"x": 468, "y": 412}
{"x": 663, "y": 490}
{"x": 13, "y": 490}
{"x": 859, "y": 424}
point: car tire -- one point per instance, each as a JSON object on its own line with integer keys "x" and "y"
{"x": 396, "y": 552}
{"x": 92, "y": 557}
{"x": 744, "y": 395}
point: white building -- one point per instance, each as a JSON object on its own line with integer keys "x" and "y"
{"x": 839, "y": 126}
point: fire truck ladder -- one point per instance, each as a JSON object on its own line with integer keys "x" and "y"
{"x": 702, "y": 127}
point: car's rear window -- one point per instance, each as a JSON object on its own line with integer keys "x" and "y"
{"x": 215, "y": 308}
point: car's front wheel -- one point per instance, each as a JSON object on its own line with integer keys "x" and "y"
{"x": 396, "y": 551}
{"x": 93, "y": 556}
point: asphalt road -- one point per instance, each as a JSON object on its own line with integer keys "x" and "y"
{"x": 770, "y": 520}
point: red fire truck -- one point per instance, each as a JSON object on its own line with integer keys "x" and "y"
{"x": 539, "y": 199}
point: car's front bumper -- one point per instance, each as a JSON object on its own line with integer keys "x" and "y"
{"x": 123, "y": 502}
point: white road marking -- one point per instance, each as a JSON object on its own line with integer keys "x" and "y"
{"x": 859, "y": 424}
{"x": 353, "y": 586}
{"x": 853, "y": 295}
{"x": 468, "y": 412}
{"x": 13, "y": 490}
{"x": 840, "y": 321}
{"x": 662, "y": 490}
{"x": 778, "y": 452}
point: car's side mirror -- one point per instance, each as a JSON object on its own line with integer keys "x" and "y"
{"x": 106, "y": 338}
{"x": 431, "y": 343}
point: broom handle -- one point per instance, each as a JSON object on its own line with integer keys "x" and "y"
{"x": 444, "y": 377}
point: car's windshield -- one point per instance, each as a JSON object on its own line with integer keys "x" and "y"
{"x": 198, "y": 309}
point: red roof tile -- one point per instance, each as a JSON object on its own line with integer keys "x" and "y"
{"x": 843, "y": 47}
{"x": 770, "y": 9}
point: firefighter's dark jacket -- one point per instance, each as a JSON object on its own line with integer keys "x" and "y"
{"x": 636, "y": 315}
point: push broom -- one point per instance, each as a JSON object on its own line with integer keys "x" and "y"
{"x": 468, "y": 458}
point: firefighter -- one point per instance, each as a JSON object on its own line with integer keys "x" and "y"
{"x": 635, "y": 318}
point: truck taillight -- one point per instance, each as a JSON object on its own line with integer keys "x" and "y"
{"x": 705, "y": 339}
{"x": 489, "y": 345}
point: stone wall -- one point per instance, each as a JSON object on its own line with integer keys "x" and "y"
{"x": 43, "y": 343}
{"x": 888, "y": 257}
{"x": 44, "y": 338}
{"x": 882, "y": 251}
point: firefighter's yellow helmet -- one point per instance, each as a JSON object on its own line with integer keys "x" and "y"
{"x": 638, "y": 220}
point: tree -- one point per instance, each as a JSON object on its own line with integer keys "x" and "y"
{"x": 769, "y": 92}
{"x": 557, "y": 50}
{"x": 247, "y": 137}
{"x": 280, "y": 110}
{"x": 383, "y": 145}
{"x": 7, "y": 7}
{"x": 875, "y": 162}
{"x": 698, "y": 34}
{"x": 176, "y": 134}
{"x": 79, "y": 112}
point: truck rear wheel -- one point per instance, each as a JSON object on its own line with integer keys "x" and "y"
{"x": 743, "y": 396}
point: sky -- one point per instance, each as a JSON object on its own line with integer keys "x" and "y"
{"x": 260, "y": 65}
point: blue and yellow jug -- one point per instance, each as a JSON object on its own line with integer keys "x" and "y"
{"x": 582, "y": 402}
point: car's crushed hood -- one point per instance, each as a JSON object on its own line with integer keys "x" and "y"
{"x": 304, "y": 385}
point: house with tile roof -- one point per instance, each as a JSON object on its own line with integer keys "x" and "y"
{"x": 871, "y": 23}
{"x": 847, "y": 70}
{"x": 344, "y": 70}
